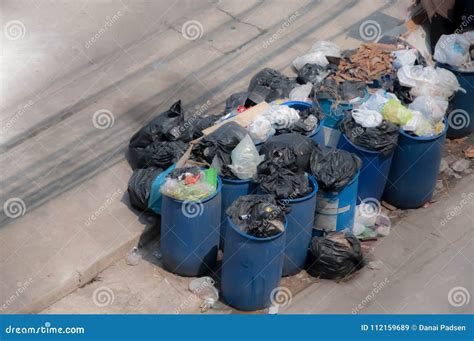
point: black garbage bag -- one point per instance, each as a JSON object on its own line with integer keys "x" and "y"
{"x": 220, "y": 144}
{"x": 314, "y": 73}
{"x": 334, "y": 256}
{"x": 161, "y": 154}
{"x": 282, "y": 182}
{"x": 292, "y": 151}
{"x": 333, "y": 168}
{"x": 139, "y": 186}
{"x": 269, "y": 85}
{"x": 193, "y": 128}
{"x": 162, "y": 127}
{"x": 383, "y": 138}
{"x": 238, "y": 99}
{"x": 258, "y": 215}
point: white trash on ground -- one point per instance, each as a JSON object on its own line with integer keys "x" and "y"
{"x": 317, "y": 54}
{"x": 204, "y": 288}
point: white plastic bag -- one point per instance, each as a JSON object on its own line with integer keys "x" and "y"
{"x": 245, "y": 159}
{"x": 428, "y": 81}
{"x": 260, "y": 129}
{"x": 317, "y": 54}
{"x": 367, "y": 118}
{"x": 433, "y": 108}
{"x": 403, "y": 57}
{"x": 281, "y": 116}
{"x": 301, "y": 93}
{"x": 452, "y": 49}
{"x": 377, "y": 100}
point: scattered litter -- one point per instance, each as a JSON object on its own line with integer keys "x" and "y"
{"x": 190, "y": 183}
{"x": 273, "y": 310}
{"x": 375, "y": 265}
{"x": 245, "y": 159}
{"x": 461, "y": 165}
{"x": 258, "y": 215}
{"x": 334, "y": 256}
{"x": 204, "y": 288}
{"x": 133, "y": 257}
{"x": 333, "y": 168}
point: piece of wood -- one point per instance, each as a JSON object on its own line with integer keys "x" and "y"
{"x": 244, "y": 118}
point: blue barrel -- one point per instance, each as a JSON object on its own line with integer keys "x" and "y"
{"x": 335, "y": 211}
{"x": 190, "y": 234}
{"x": 461, "y": 116}
{"x": 318, "y": 134}
{"x": 414, "y": 171}
{"x": 374, "y": 172}
{"x": 299, "y": 231}
{"x": 251, "y": 268}
{"x": 231, "y": 190}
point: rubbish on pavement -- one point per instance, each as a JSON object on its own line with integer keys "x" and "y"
{"x": 382, "y": 138}
{"x": 203, "y": 287}
{"x": 367, "y": 64}
{"x": 318, "y": 54}
{"x": 301, "y": 92}
{"x": 431, "y": 107}
{"x": 333, "y": 168}
{"x": 395, "y": 112}
{"x": 404, "y": 57}
{"x": 244, "y": 119}
{"x": 260, "y": 129}
{"x": 190, "y": 183}
{"x": 269, "y": 85}
{"x": 428, "y": 81}
{"x": 216, "y": 147}
{"x": 133, "y": 257}
{"x": 139, "y": 186}
{"x": 453, "y": 49}
{"x": 334, "y": 256}
{"x": 314, "y": 73}
{"x": 237, "y": 100}
{"x": 258, "y": 215}
{"x": 291, "y": 151}
{"x": 161, "y": 154}
{"x": 245, "y": 159}
{"x": 461, "y": 165}
{"x": 281, "y": 116}
{"x": 367, "y": 118}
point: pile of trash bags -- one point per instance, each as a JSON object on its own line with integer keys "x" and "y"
{"x": 455, "y": 50}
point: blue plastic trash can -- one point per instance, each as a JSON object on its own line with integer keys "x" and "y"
{"x": 190, "y": 234}
{"x": 414, "y": 170}
{"x": 335, "y": 211}
{"x": 374, "y": 171}
{"x": 231, "y": 190}
{"x": 299, "y": 231}
{"x": 251, "y": 268}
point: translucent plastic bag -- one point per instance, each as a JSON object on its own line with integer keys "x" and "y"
{"x": 190, "y": 183}
{"x": 260, "y": 129}
{"x": 301, "y": 93}
{"x": 367, "y": 118}
{"x": 433, "y": 108}
{"x": 245, "y": 159}
{"x": 452, "y": 49}
{"x": 317, "y": 54}
{"x": 377, "y": 100}
{"x": 395, "y": 112}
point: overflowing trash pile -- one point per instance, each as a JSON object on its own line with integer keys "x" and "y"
{"x": 267, "y": 147}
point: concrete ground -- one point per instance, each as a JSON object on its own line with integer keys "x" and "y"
{"x": 78, "y": 79}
